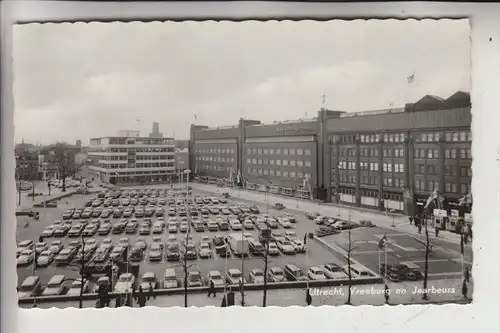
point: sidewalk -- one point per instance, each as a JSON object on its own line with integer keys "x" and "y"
{"x": 441, "y": 291}
{"x": 399, "y": 223}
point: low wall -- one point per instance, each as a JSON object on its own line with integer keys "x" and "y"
{"x": 235, "y": 288}
{"x": 342, "y": 255}
{"x": 54, "y": 199}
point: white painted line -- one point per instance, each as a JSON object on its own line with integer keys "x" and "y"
{"x": 397, "y": 245}
{"x": 446, "y": 274}
{"x": 372, "y": 242}
{"x": 432, "y": 260}
{"x": 459, "y": 261}
{"x": 371, "y": 252}
{"x": 410, "y": 264}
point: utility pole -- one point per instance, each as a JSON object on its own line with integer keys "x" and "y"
{"x": 242, "y": 268}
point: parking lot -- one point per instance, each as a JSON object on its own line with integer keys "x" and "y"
{"x": 316, "y": 254}
{"x": 444, "y": 260}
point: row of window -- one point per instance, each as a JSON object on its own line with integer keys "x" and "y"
{"x": 278, "y": 151}
{"x": 449, "y": 136}
{"x": 293, "y": 163}
{"x": 463, "y": 153}
{"x": 215, "y": 151}
{"x": 132, "y": 141}
{"x": 221, "y": 159}
{"x": 448, "y": 187}
{"x": 365, "y": 166}
{"x": 135, "y": 165}
{"x": 278, "y": 173}
{"x": 215, "y": 167}
{"x": 371, "y": 180}
{"x": 448, "y": 170}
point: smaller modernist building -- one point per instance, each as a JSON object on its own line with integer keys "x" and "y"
{"x": 128, "y": 158}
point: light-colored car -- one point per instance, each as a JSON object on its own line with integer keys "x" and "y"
{"x": 48, "y": 231}
{"x": 216, "y": 277}
{"x": 286, "y": 247}
{"x": 45, "y": 259}
{"x": 155, "y": 252}
{"x": 273, "y": 249}
{"x": 256, "y": 276}
{"x": 56, "y": 246}
{"x": 284, "y": 222}
{"x": 233, "y": 276}
{"x": 248, "y": 225}
{"x": 205, "y": 251}
{"x": 333, "y": 271}
{"x": 31, "y": 286}
{"x": 55, "y": 286}
{"x": 125, "y": 283}
{"x": 148, "y": 279}
{"x": 172, "y": 228}
{"x": 235, "y": 224}
{"x": 184, "y": 226}
{"x": 291, "y": 235}
{"x": 299, "y": 246}
{"x": 276, "y": 274}
{"x": 24, "y": 245}
{"x": 26, "y": 257}
{"x": 316, "y": 273}
{"x": 194, "y": 279}
{"x": 76, "y": 287}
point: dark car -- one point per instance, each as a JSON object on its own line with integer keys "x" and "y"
{"x": 256, "y": 248}
{"x": 173, "y": 252}
{"x": 407, "y": 273}
{"x": 254, "y": 210}
{"x": 118, "y": 228}
{"x": 137, "y": 253}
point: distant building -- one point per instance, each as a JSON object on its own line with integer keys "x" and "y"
{"x": 27, "y": 166}
{"x": 131, "y": 159}
{"x": 156, "y": 131}
{"x": 385, "y": 159}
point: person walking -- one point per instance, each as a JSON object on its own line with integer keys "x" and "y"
{"x": 411, "y": 220}
{"x": 308, "y": 297}
{"x": 386, "y": 293}
{"x": 464, "y": 289}
{"x": 151, "y": 292}
{"x": 211, "y": 288}
{"x": 118, "y": 302}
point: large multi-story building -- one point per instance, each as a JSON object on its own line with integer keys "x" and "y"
{"x": 128, "y": 158}
{"x": 385, "y": 159}
{"x": 27, "y": 164}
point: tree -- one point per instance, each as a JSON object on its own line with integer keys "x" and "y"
{"x": 266, "y": 264}
{"x": 81, "y": 266}
{"x": 184, "y": 261}
{"x": 428, "y": 249}
{"x": 64, "y": 159}
{"x": 349, "y": 249}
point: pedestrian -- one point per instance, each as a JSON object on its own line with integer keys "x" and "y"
{"x": 386, "y": 293}
{"x": 464, "y": 289}
{"x": 118, "y": 302}
{"x": 467, "y": 274}
{"x": 308, "y": 297}
{"x": 151, "y": 292}
{"x": 419, "y": 228}
{"x": 211, "y": 288}
{"x": 411, "y": 220}
{"x": 469, "y": 229}
{"x": 40, "y": 239}
{"x": 437, "y": 231}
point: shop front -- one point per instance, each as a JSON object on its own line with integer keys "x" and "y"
{"x": 347, "y": 196}
{"x": 439, "y": 219}
{"x": 302, "y": 193}
{"x": 287, "y": 191}
{"x": 275, "y": 189}
{"x": 393, "y": 202}
{"x": 369, "y": 199}
{"x": 261, "y": 187}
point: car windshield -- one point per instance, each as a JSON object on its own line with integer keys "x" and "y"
{"x": 236, "y": 275}
{"x": 125, "y": 278}
{"x": 190, "y": 247}
{"x": 258, "y": 273}
{"x": 53, "y": 284}
{"x": 277, "y": 272}
{"x": 194, "y": 277}
{"x": 26, "y": 287}
{"x": 155, "y": 247}
{"x": 148, "y": 279}
{"x": 173, "y": 247}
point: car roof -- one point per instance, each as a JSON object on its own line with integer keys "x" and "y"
{"x": 30, "y": 280}
{"x": 56, "y": 279}
{"x": 233, "y": 270}
{"x": 126, "y": 274}
{"x": 149, "y": 274}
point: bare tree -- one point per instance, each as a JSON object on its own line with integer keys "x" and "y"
{"x": 65, "y": 162}
{"x": 428, "y": 249}
{"x": 349, "y": 249}
{"x": 184, "y": 261}
{"x": 266, "y": 264}
{"x": 81, "y": 266}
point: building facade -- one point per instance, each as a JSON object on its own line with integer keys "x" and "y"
{"x": 27, "y": 164}
{"x": 388, "y": 160}
{"x": 131, "y": 159}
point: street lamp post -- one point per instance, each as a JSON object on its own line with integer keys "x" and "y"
{"x": 187, "y": 172}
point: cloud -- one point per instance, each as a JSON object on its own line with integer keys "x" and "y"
{"x": 87, "y": 80}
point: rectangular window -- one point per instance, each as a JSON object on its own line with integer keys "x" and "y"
{"x": 249, "y": 151}
{"x": 292, "y": 174}
{"x": 307, "y": 163}
{"x": 429, "y": 153}
{"x": 271, "y": 162}
{"x": 285, "y": 163}
{"x": 300, "y": 163}
{"x": 266, "y": 151}
{"x": 300, "y": 151}
{"x": 249, "y": 161}
{"x": 285, "y": 173}
{"x": 285, "y": 151}
{"x": 278, "y": 162}
{"x": 260, "y": 172}
{"x": 259, "y": 161}
{"x": 266, "y": 161}
{"x": 271, "y": 151}
{"x": 278, "y": 151}
{"x": 307, "y": 151}
{"x": 292, "y": 151}
{"x": 435, "y": 153}
{"x": 278, "y": 173}
{"x": 271, "y": 172}
{"x": 292, "y": 162}
{"x": 462, "y": 154}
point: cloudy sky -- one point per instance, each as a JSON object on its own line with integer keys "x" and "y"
{"x": 77, "y": 81}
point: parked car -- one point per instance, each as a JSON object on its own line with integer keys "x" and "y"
{"x": 55, "y": 286}
{"x": 30, "y": 287}
{"x": 233, "y": 276}
{"x": 76, "y": 287}
{"x": 216, "y": 277}
{"x": 276, "y": 274}
{"x": 294, "y": 273}
{"x": 45, "y": 259}
{"x": 194, "y": 279}
{"x": 316, "y": 273}
{"x": 333, "y": 271}
{"x": 125, "y": 283}
{"x": 256, "y": 276}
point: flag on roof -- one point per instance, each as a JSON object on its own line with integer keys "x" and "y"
{"x": 411, "y": 78}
